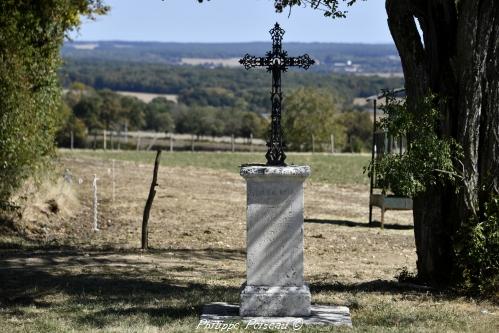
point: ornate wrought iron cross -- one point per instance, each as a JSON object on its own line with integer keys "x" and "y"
{"x": 276, "y": 61}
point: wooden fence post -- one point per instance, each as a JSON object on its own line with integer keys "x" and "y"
{"x": 150, "y": 198}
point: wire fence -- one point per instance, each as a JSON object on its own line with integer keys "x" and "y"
{"x": 142, "y": 140}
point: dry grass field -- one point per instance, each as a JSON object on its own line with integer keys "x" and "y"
{"x": 61, "y": 276}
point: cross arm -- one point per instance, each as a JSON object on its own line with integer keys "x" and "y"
{"x": 303, "y": 61}
{"x": 249, "y": 61}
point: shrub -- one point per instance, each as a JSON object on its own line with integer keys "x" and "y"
{"x": 31, "y": 33}
{"x": 477, "y": 252}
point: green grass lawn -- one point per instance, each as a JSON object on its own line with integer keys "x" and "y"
{"x": 332, "y": 169}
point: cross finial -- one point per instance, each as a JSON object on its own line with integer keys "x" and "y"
{"x": 276, "y": 61}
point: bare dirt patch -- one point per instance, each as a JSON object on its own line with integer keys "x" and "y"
{"x": 201, "y": 209}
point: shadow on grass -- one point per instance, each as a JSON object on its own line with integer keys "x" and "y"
{"x": 390, "y": 287}
{"x": 115, "y": 288}
{"x": 375, "y": 286}
{"x": 374, "y": 224}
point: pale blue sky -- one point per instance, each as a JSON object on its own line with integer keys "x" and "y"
{"x": 232, "y": 21}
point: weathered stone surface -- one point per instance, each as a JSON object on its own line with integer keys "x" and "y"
{"x": 274, "y": 262}
{"x": 275, "y": 225}
{"x": 248, "y": 171}
{"x": 216, "y": 313}
{"x": 275, "y": 301}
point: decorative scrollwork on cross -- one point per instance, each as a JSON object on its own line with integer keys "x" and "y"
{"x": 277, "y": 33}
{"x": 250, "y": 61}
{"x": 276, "y": 61}
{"x": 303, "y": 61}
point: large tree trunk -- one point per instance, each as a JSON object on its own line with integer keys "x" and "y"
{"x": 478, "y": 32}
{"x": 458, "y": 61}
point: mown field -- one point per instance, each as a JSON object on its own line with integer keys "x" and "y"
{"x": 60, "y": 276}
{"x": 326, "y": 168}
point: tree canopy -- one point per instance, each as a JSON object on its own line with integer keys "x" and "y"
{"x": 86, "y": 110}
{"x": 307, "y": 113}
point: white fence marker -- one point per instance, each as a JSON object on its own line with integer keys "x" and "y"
{"x": 94, "y": 185}
{"x": 332, "y": 143}
{"x": 114, "y": 183}
{"x": 105, "y": 140}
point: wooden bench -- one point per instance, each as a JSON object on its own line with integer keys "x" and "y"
{"x": 388, "y": 202}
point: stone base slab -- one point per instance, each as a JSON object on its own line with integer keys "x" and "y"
{"x": 215, "y": 315}
{"x": 262, "y": 301}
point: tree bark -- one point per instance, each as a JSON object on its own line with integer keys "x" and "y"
{"x": 459, "y": 62}
{"x": 479, "y": 101}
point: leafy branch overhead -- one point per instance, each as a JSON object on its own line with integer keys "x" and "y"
{"x": 331, "y": 8}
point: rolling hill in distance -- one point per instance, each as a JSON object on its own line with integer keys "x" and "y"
{"x": 208, "y": 74}
{"x": 201, "y": 88}
{"x": 359, "y": 59}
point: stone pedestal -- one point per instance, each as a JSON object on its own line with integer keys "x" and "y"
{"x": 274, "y": 262}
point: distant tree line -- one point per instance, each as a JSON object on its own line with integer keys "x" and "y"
{"x": 310, "y": 117}
{"x": 220, "y": 101}
{"x": 86, "y": 110}
{"x": 217, "y": 87}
